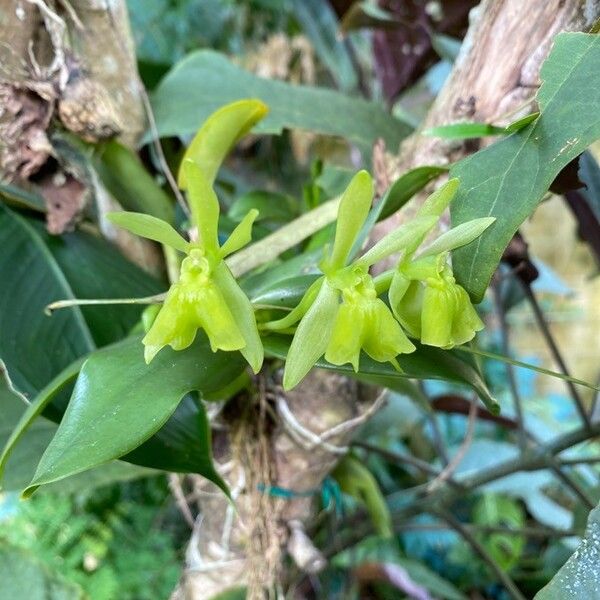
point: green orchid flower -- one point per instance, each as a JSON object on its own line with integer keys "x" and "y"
{"x": 430, "y": 305}
{"x": 340, "y": 315}
{"x": 206, "y": 296}
{"x": 423, "y": 293}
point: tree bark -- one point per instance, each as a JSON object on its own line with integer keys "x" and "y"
{"x": 494, "y": 80}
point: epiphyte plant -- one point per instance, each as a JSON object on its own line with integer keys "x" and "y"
{"x": 341, "y": 313}
{"x": 344, "y": 311}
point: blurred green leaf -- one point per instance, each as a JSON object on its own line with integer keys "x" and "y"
{"x": 496, "y": 510}
{"x": 461, "y": 131}
{"x": 508, "y": 179}
{"x": 271, "y": 206}
{"x": 205, "y": 80}
{"x": 320, "y": 24}
{"x": 24, "y": 576}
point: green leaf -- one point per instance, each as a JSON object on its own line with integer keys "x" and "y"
{"x": 149, "y": 227}
{"x": 405, "y": 187}
{"x": 25, "y": 576}
{"x": 29, "y": 414}
{"x": 352, "y": 212}
{"x": 462, "y": 131}
{"x": 366, "y": 14}
{"x": 580, "y": 576}
{"x": 96, "y": 270}
{"x": 30, "y": 279}
{"x": 357, "y": 481}
{"x": 426, "y": 362}
{"x": 205, "y": 80}
{"x": 287, "y": 293}
{"x": 21, "y": 198}
{"x": 271, "y": 206}
{"x": 219, "y": 132}
{"x": 119, "y": 402}
{"x": 508, "y": 179}
{"x": 496, "y": 510}
{"x": 125, "y": 177}
{"x": 458, "y": 236}
{"x": 438, "y": 202}
{"x": 320, "y": 24}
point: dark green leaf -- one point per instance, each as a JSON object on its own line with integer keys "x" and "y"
{"x": 95, "y": 269}
{"x": 126, "y": 178}
{"x": 21, "y": 198}
{"x": 271, "y": 206}
{"x": 426, "y": 362}
{"x": 508, "y": 179}
{"x": 285, "y": 294}
{"x": 319, "y": 23}
{"x": 589, "y": 172}
{"x": 30, "y": 279}
{"x": 119, "y": 402}
{"x": 580, "y": 576}
{"x": 205, "y": 80}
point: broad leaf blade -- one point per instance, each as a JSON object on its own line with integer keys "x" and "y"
{"x": 30, "y": 279}
{"x": 119, "y": 402}
{"x": 205, "y": 80}
{"x": 508, "y": 179}
{"x": 426, "y": 362}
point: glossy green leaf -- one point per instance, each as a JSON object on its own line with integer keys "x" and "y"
{"x": 30, "y": 413}
{"x": 219, "y": 132}
{"x": 119, "y": 402}
{"x": 30, "y": 279}
{"x": 426, "y": 362}
{"x": 95, "y": 269}
{"x": 149, "y": 227}
{"x": 285, "y": 294}
{"x": 205, "y": 80}
{"x": 508, "y": 179}
{"x": 462, "y": 131}
{"x": 580, "y": 576}
{"x": 352, "y": 212}
{"x": 458, "y": 236}
{"x": 405, "y": 187}
{"x": 241, "y": 236}
{"x": 127, "y": 179}
{"x": 311, "y": 337}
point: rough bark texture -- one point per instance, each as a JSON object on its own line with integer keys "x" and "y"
{"x": 68, "y": 66}
{"x": 494, "y": 79}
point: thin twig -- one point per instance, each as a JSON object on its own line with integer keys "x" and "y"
{"x": 479, "y": 549}
{"x": 556, "y": 354}
{"x": 512, "y": 380}
{"x": 177, "y": 491}
{"x": 460, "y": 454}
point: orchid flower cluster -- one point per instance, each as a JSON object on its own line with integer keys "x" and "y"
{"x": 344, "y": 312}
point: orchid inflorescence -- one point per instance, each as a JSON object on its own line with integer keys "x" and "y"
{"x": 344, "y": 312}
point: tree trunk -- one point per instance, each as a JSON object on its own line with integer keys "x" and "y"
{"x": 495, "y": 79}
